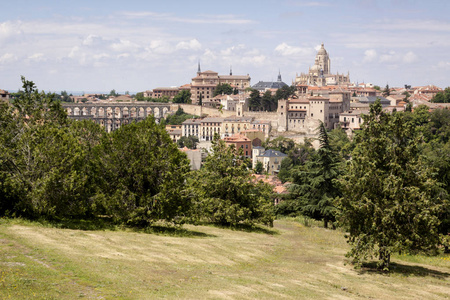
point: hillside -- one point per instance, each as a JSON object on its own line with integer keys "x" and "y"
{"x": 290, "y": 261}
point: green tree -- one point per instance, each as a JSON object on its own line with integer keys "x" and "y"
{"x": 314, "y": 184}
{"x": 65, "y": 97}
{"x": 223, "y": 88}
{"x": 390, "y": 201}
{"x": 178, "y": 118}
{"x": 285, "y": 92}
{"x": 259, "y": 167}
{"x": 183, "y": 96}
{"x": 226, "y": 194}
{"x": 40, "y": 158}
{"x": 280, "y": 143}
{"x": 297, "y": 156}
{"x": 341, "y": 143}
{"x": 387, "y": 91}
{"x": 141, "y": 193}
{"x": 442, "y": 97}
{"x": 113, "y": 93}
{"x": 139, "y": 96}
{"x": 200, "y": 100}
{"x": 255, "y": 100}
{"x": 268, "y": 102}
{"x": 188, "y": 141}
{"x": 407, "y": 95}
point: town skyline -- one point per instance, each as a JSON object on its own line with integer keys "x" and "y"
{"x": 100, "y": 46}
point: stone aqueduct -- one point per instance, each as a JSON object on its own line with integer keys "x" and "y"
{"x": 115, "y": 114}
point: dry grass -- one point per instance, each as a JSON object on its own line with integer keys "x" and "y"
{"x": 291, "y": 262}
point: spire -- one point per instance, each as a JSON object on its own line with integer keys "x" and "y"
{"x": 279, "y": 75}
{"x": 198, "y": 71}
{"x": 231, "y": 71}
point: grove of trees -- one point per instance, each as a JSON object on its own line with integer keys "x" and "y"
{"x": 442, "y": 97}
{"x": 269, "y": 102}
{"x": 56, "y": 169}
{"x": 387, "y": 188}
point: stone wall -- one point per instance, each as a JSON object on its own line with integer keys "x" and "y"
{"x": 199, "y": 110}
{"x": 266, "y": 116}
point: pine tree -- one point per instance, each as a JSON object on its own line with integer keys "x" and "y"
{"x": 390, "y": 200}
{"x": 314, "y": 183}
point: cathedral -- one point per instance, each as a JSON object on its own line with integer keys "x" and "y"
{"x": 319, "y": 74}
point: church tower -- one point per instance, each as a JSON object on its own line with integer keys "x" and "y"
{"x": 323, "y": 60}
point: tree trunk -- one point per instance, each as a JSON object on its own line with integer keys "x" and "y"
{"x": 385, "y": 258}
{"x": 325, "y": 222}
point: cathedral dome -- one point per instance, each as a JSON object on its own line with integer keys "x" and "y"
{"x": 322, "y": 51}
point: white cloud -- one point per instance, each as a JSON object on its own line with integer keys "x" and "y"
{"x": 10, "y": 30}
{"x": 193, "y": 44}
{"x": 124, "y": 46}
{"x": 410, "y": 25}
{"x": 8, "y": 58}
{"x": 388, "y": 57}
{"x": 93, "y": 40}
{"x": 444, "y": 65}
{"x": 37, "y": 57}
{"x": 233, "y": 50}
{"x": 285, "y": 50}
{"x": 370, "y": 55}
{"x": 200, "y": 19}
{"x": 258, "y": 60}
{"x": 409, "y": 57}
{"x": 160, "y": 47}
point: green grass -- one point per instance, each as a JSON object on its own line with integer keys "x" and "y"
{"x": 290, "y": 261}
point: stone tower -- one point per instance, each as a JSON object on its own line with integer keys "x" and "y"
{"x": 323, "y": 60}
{"x": 282, "y": 112}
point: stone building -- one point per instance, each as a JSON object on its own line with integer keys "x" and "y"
{"x": 240, "y": 142}
{"x": 271, "y": 159}
{"x": 169, "y": 92}
{"x": 210, "y": 126}
{"x": 305, "y": 113}
{"x": 263, "y": 86}
{"x": 205, "y": 83}
{"x": 191, "y": 127}
{"x": 4, "y": 95}
{"x": 320, "y": 73}
{"x": 234, "y": 125}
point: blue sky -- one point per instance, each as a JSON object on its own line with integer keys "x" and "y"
{"x": 139, "y": 45}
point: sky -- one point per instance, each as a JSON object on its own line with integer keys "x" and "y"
{"x": 97, "y": 46}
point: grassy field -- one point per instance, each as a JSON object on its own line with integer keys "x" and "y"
{"x": 290, "y": 261}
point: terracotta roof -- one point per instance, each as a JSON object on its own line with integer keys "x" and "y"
{"x": 237, "y": 138}
{"x": 317, "y": 98}
{"x": 278, "y": 186}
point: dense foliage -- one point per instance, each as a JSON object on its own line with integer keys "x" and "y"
{"x": 393, "y": 180}
{"x": 268, "y": 101}
{"x": 442, "y": 97}
{"x": 225, "y": 195}
{"x": 178, "y": 117}
{"x": 391, "y": 201}
{"x": 224, "y": 89}
{"x": 183, "y": 96}
{"x": 56, "y": 169}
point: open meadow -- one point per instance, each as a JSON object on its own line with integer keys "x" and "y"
{"x": 288, "y": 261}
